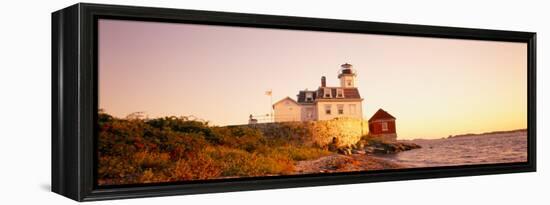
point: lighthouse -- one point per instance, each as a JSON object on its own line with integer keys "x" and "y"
{"x": 326, "y": 102}
{"x": 347, "y": 76}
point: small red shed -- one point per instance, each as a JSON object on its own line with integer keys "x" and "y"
{"x": 382, "y": 125}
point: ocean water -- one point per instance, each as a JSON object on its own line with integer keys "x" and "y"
{"x": 467, "y": 150}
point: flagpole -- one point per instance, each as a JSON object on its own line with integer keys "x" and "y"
{"x": 270, "y": 93}
{"x": 271, "y": 104}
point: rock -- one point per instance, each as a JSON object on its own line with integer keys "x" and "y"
{"x": 369, "y": 149}
{"x": 333, "y": 148}
{"x": 358, "y": 151}
{"x": 382, "y": 147}
{"x": 344, "y": 151}
{"x": 379, "y": 150}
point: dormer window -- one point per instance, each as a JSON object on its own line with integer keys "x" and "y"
{"x": 340, "y": 93}
{"x": 309, "y": 97}
{"x": 327, "y": 93}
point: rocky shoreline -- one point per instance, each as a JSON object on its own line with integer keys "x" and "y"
{"x": 365, "y": 155}
{"x": 371, "y": 146}
{"x": 345, "y": 163}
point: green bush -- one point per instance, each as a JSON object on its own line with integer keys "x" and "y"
{"x": 169, "y": 149}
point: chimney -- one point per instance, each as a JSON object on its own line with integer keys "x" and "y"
{"x": 323, "y": 81}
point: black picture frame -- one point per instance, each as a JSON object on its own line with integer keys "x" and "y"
{"x": 74, "y": 100}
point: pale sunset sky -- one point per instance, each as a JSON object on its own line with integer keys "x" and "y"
{"x": 434, "y": 87}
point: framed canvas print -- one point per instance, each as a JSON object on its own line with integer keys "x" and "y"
{"x": 155, "y": 101}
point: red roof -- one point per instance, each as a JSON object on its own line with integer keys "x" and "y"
{"x": 349, "y": 93}
{"x": 381, "y": 115}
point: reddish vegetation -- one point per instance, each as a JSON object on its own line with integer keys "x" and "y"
{"x": 169, "y": 149}
{"x": 136, "y": 151}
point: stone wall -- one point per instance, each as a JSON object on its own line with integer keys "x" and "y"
{"x": 384, "y": 137}
{"x": 346, "y": 131}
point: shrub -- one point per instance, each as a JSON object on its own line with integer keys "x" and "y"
{"x": 169, "y": 149}
{"x": 200, "y": 166}
{"x": 307, "y": 153}
{"x": 151, "y": 160}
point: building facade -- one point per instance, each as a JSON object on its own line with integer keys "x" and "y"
{"x": 324, "y": 103}
{"x": 382, "y": 126}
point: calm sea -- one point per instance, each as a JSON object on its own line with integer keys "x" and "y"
{"x": 480, "y": 149}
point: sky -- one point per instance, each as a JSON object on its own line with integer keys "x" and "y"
{"x": 435, "y": 87}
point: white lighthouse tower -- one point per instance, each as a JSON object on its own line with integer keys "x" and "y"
{"x": 347, "y": 76}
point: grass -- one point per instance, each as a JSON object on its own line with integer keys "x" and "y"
{"x": 170, "y": 149}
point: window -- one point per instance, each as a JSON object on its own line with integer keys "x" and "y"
{"x": 309, "y": 113}
{"x": 384, "y": 126}
{"x": 327, "y": 109}
{"x": 348, "y": 82}
{"x": 352, "y": 109}
{"x": 340, "y": 109}
{"x": 309, "y": 97}
{"x": 339, "y": 93}
{"x": 328, "y": 93}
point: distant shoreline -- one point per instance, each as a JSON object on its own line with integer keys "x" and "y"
{"x": 486, "y": 133}
{"x": 464, "y": 135}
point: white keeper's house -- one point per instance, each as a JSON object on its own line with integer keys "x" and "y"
{"x": 325, "y": 102}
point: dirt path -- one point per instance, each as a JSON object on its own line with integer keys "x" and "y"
{"x": 343, "y": 163}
